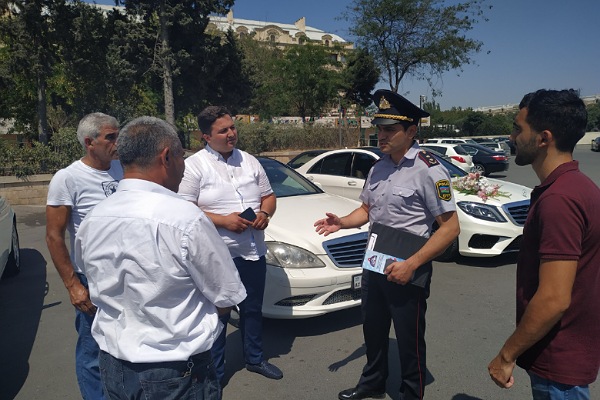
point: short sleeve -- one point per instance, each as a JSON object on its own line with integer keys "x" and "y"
{"x": 61, "y": 189}
{"x": 189, "y": 188}
{"x": 437, "y": 188}
{"x": 560, "y": 239}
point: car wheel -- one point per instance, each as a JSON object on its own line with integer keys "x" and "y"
{"x": 13, "y": 265}
{"x": 451, "y": 252}
{"x": 481, "y": 169}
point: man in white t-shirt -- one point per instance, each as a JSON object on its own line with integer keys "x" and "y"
{"x": 72, "y": 193}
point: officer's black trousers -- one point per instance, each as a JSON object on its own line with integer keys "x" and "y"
{"x": 382, "y": 303}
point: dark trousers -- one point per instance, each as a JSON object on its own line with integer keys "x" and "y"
{"x": 252, "y": 275}
{"x": 193, "y": 379}
{"x": 382, "y": 303}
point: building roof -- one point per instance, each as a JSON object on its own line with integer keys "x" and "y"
{"x": 224, "y": 23}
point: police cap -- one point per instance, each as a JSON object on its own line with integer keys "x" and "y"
{"x": 394, "y": 109}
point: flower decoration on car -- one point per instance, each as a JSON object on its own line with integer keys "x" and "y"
{"x": 478, "y": 185}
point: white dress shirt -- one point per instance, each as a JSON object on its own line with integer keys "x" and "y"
{"x": 156, "y": 268}
{"x": 222, "y": 187}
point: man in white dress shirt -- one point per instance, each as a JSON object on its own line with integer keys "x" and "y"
{"x": 159, "y": 274}
{"x": 224, "y": 181}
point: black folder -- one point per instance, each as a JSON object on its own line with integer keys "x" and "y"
{"x": 387, "y": 244}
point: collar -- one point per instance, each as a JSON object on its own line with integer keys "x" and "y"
{"x": 217, "y": 156}
{"x": 411, "y": 154}
{"x": 558, "y": 171}
{"x": 144, "y": 185}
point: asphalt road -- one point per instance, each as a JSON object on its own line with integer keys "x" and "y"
{"x": 471, "y": 313}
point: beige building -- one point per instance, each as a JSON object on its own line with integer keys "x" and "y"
{"x": 281, "y": 35}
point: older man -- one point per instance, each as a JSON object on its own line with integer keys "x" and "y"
{"x": 72, "y": 193}
{"x": 159, "y": 274}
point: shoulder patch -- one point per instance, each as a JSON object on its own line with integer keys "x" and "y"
{"x": 443, "y": 189}
{"x": 428, "y": 159}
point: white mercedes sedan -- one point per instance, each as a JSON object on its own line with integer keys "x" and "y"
{"x": 487, "y": 228}
{"x": 309, "y": 274}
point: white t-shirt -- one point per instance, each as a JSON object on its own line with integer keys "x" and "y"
{"x": 222, "y": 187}
{"x": 81, "y": 187}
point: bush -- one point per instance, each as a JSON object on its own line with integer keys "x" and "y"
{"x": 36, "y": 158}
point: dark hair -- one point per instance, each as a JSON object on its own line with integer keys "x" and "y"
{"x": 209, "y": 115}
{"x": 561, "y": 112}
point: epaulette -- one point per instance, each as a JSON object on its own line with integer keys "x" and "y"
{"x": 428, "y": 159}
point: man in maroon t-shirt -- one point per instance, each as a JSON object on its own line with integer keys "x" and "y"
{"x": 557, "y": 339}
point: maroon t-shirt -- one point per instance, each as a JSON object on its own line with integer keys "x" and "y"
{"x": 564, "y": 224}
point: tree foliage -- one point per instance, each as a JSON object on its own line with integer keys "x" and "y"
{"x": 418, "y": 38}
{"x": 360, "y": 76}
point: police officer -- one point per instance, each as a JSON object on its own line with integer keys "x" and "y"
{"x": 407, "y": 189}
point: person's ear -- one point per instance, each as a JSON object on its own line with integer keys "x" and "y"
{"x": 545, "y": 137}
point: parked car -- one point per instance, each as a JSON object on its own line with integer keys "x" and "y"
{"x": 486, "y": 161}
{"x": 508, "y": 142}
{"x": 596, "y": 144}
{"x": 10, "y": 264}
{"x": 309, "y": 274}
{"x": 486, "y": 228}
{"x": 450, "y": 140}
{"x": 303, "y": 157}
{"x": 459, "y": 156}
{"x": 501, "y": 147}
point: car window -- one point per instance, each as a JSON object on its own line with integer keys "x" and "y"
{"x": 302, "y": 159}
{"x": 470, "y": 149}
{"x": 285, "y": 181}
{"x": 335, "y": 164}
{"x": 361, "y": 165}
{"x": 439, "y": 149}
{"x": 460, "y": 150}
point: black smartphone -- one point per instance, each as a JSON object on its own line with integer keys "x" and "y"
{"x": 248, "y": 214}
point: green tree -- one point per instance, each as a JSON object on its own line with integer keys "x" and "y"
{"x": 359, "y": 77}
{"x": 179, "y": 25}
{"x": 309, "y": 79}
{"x": 593, "y": 118}
{"x": 27, "y": 30}
{"x": 418, "y": 38}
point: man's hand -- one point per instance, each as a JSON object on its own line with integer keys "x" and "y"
{"x": 261, "y": 222}
{"x": 80, "y": 297}
{"x": 501, "y": 372}
{"x": 328, "y": 225}
{"x": 235, "y": 223}
{"x": 399, "y": 272}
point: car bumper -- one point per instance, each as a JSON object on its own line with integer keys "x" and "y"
{"x": 479, "y": 238}
{"x": 303, "y": 293}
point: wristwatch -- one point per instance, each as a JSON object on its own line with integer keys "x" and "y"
{"x": 266, "y": 213}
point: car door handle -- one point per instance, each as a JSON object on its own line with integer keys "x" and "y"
{"x": 351, "y": 183}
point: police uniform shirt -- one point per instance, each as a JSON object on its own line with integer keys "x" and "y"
{"x": 408, "y": 195}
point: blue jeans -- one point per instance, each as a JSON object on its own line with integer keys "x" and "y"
{"x": 86, "y": 355}
{"x": 545, "y": 389}
{"x": 194, "y": 379}
{"x": 252, "y": 274}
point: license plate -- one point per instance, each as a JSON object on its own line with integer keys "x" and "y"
{"x": 356, "y": 281}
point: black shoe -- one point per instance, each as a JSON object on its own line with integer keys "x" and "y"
{"x": 357, "y": 393}
{"x": 266, "y": 369}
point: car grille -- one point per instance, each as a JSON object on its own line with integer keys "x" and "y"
{"x": 517, "y": 211}
{"x": 342, "y": 295}
{"x": 347, "y": 251}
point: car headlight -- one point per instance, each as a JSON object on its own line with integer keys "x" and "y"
{"x": 287, "y": 256}
{"x": 481, "y": 211}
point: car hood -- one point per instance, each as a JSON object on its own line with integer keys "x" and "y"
{"x": 293, "y": 222}
{"x": 514, "y": 191}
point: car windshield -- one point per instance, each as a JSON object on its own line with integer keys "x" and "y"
{"x": 303, "y": 158}
{"x": 285, "y": 181}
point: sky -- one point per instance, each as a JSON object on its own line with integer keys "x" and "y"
{"x": 527, "y": 45}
